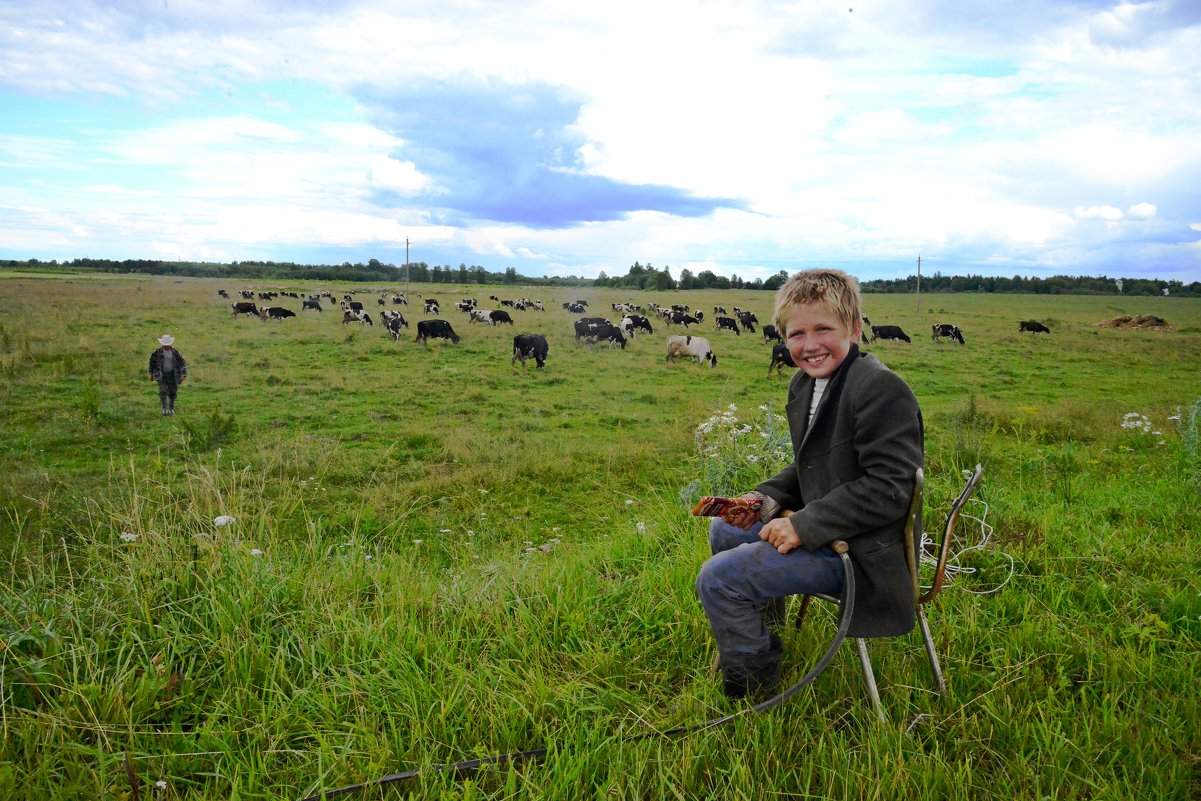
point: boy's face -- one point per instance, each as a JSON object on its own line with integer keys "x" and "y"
{"x": 818, "y": 341}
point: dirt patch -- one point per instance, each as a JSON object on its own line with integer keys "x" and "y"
{"x": 1143, "y": 322}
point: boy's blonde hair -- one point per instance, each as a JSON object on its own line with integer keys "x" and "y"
{"x": 833, "y": 289}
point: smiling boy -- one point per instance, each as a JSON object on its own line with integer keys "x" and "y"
{"x": 857, "y": 443}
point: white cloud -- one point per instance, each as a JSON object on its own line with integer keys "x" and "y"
{"x": 1143, "y": 210}
{"x": 1107, "y": 213}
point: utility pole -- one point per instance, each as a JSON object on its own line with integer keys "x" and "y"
{"x": 919, "y": 286}
{"x": 406, "y": 268}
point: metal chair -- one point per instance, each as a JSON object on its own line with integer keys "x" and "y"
{"x": 943, "y": 550}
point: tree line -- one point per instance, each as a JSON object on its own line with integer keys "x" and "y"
{"x": 639, "y": 276}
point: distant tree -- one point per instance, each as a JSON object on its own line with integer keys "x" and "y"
{"x": 776, "y": 281}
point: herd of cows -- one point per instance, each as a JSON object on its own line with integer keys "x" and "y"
{"x": 588, "y": 330}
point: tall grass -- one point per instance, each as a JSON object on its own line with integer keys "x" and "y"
{"x": 434, "y": 556}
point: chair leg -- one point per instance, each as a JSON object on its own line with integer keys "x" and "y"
{"x": 870, "y": 677}
{"x": 934, "y": 663}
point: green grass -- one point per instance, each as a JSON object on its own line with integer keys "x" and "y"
{"x": 437, "y": 556}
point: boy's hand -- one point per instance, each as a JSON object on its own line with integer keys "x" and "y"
{"x": 743, "y": 517}
{"x": 780, "y": 533}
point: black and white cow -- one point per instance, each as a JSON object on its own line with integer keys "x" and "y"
{"x": 941, "y": 330}
{"x": 682, "y": 318}
{"x": 431, "y": 306}
{"x": 691, "y": 348}
{"x": 246, "y": 293}
{"x": 498, "y": 316}
{"x": 356, "y": 316}
{"x": 867, "y": 324}
{"x": 636, "y": 322}
{"x": 1033, "y": 326}
{"x": 781, "y": 357}
{"x": 728, "y": 323}
{"x": 310, "y": 304}
{"x": 223, "y": 293}
{"x": 576, "y": 308}
{"x": 398, "y": 300}
{"x": 395, "y": 323}
{"x": 889, "y": 332}
{"x": 275, "y": 313}
{"x": 435, "y": 329}
{"x": 598, "y": 329}
{"x": 770, "y": 333}
{"x": 529, "y": 346}
{"x": 244, "y": 307}
{"x": 748, "y": 320}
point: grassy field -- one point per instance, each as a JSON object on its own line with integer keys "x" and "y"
{"x": 437, "y": 556}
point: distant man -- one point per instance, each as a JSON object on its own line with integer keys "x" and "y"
{"x": 168, "y": 368}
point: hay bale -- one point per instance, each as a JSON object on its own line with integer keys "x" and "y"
{"x": 1143, "y": 322}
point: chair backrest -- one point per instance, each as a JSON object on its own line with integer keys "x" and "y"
{"x": 944, "y": 545}
{"x": 913, "y": 530}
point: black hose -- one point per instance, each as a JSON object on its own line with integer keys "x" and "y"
{"x": 847, "y": 606}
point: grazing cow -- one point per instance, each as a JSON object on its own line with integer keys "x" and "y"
{"x": 748, "y": 320}
{"x": 435, "y": 329}
{"x": 1033, "y": 326}
{"x": 770, "y": 333}
{"x": 888, "y": 332}
{"x": 941, "y": 330}
{"x": 727, "y": 323}
{"x": 598, "y": 329}
{"x": 381, "y": 301}
{"x": 353, "y": 305}
{"x": 310, "y": 304}
{"x": 244, "y": 307}
{"x": 781, "y": 357}
{"x": 497, "y": 316}
{"x": 720, "y": 310}
{"x": 356, "y": 316}
{"x": 223, "y": 293}
{"x": 682, "y": 318}
{"x": 529, "y": 346}
{"x": 275, "y": 313}
{"x": 636, "y": 322}
{"x": 537, "y": 304}
{"x": 691, "y": 348}
{"x": 395, "y": 323}
{"x": 246, "y": 293}
{"x": 398, "y": 300}
{"x": 431, "y": 306}
{"x": 575, "y": 308}
{"x": 585, "y": 324}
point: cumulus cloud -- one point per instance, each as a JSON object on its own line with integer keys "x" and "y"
{"x": 1143, "y": 210}
{"x": 1107, "y": 213}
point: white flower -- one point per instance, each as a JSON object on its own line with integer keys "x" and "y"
{"x": 418, "y": 542}
{"x": 222, "y": 520}
{"x": 732, "y": 407}
{"x": 470, "y": 533}
{"x": 629, "y": 501}
{"x": 255, "y": 552}
{"x": 764, "y": 408}
{"x": 129, "y": 536}
{"x": 160, "y": 784}
{"x": 641, "y": 527}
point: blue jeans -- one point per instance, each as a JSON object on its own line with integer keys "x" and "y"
{"x": 745, "y": 573}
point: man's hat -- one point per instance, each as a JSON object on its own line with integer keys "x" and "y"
{"x": 166, "y": 339}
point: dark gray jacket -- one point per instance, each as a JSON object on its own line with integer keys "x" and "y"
{"x": 156, "y": 366}
{"x": 852, "y": 479}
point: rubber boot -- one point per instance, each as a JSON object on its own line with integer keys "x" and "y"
{"x": 755, "y": 675}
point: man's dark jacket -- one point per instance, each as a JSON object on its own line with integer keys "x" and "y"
{"x": 156, "y": 366}
{"x": 852, "y": 479}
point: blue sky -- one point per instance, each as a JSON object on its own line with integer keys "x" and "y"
{"x": 1030, "y": 137}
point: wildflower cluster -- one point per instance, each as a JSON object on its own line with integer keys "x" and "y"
{"x": 733, "y": 456}
{"x": 1134, "y": 421}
